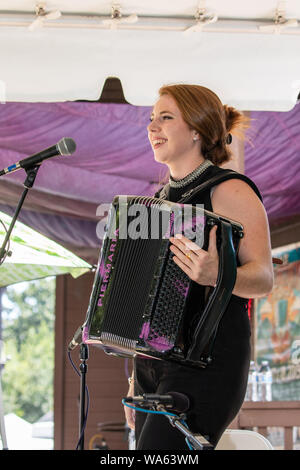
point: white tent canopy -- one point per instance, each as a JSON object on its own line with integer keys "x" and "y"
{"x": 33, "y": 256}
{"x": 241, "y": 50}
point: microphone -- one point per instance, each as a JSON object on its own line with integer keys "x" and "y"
{"x": 77, "y": 338}
{"x": 174, "y": 401}
{"x": 65, "y": 146}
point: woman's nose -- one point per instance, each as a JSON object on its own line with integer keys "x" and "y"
{"x": 153, "y": 125}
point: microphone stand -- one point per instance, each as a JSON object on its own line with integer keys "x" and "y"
{"x": 2, "y": 420}
{"x": 28, "y": 183}
{"x": 84, "y": 355}
{"x": 197, "y": 441}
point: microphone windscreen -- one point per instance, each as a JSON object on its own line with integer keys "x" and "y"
{"x": 66, "y": 146}
{"x": 181, "y": 403}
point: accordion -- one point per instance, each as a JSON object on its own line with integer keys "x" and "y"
{"x": 139, "y": 298}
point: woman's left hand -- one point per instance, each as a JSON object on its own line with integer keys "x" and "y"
{"x": 200, "y": 265}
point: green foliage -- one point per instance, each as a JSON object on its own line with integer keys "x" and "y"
{"x": 28, "y": 334}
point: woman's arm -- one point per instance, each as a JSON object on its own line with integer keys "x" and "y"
{"x": 129, "y": 412}
{"x": 236, "y": 200}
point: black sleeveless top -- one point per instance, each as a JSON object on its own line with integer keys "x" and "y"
{"x": 197, "y": 294}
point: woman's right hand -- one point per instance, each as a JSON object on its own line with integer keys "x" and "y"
{"x": 129, "y": 412}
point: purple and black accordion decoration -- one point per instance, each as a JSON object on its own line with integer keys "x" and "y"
{"x": 139, "y": 296}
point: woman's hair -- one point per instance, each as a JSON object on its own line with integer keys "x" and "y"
{"x": 204, "y": 112}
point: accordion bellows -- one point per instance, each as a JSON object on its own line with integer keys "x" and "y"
{"x": 139, "y": 298}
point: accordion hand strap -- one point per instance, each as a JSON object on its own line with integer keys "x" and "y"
{"x": 219, "y": 298}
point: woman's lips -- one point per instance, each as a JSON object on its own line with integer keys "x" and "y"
{"x": 158, "y": 143}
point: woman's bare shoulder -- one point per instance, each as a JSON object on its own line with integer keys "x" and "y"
{"x": 236, "y": 199}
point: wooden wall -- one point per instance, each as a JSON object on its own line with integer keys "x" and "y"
{"x": 106, "y": 378}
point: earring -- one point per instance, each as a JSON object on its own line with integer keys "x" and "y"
{"x": 195, "y": 138}
{"x": 228, "y": 139}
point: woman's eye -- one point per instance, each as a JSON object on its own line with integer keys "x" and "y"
{"x": 162, "y": 117}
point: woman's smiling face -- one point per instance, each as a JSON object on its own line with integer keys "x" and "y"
{"x": 170, "y": 136}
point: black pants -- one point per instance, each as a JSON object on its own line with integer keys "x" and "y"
{"x": 216, "y": 393}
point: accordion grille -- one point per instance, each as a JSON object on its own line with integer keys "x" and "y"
{"x": 134, "y": 270}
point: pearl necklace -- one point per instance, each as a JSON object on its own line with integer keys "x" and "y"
{"x": 191, "y": 176}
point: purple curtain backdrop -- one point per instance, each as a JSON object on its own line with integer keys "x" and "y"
{"x": 272, "y": 160}
{"x": 113, "y": 156}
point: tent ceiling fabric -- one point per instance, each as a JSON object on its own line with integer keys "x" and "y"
{"x": 67, "y": 64}
{"x": 43, "y": 72}
{"x": 113, "y": 156}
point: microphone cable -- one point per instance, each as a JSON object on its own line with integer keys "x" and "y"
{"x": 165, "y": 413}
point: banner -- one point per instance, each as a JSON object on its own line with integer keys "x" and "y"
{"x": 277, "y": 326}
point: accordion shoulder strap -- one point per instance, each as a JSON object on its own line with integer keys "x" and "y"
{"x": 218, "y": 300}
{"x": 216, "y": 179}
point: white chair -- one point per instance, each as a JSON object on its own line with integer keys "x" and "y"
{"x": 240, "y": 439}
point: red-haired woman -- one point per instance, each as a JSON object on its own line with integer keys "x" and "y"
{"x": 190, "y": 132}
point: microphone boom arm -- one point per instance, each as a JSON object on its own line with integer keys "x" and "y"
{"x": 197, "y": 441}
{"x": 166, "y": 405}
